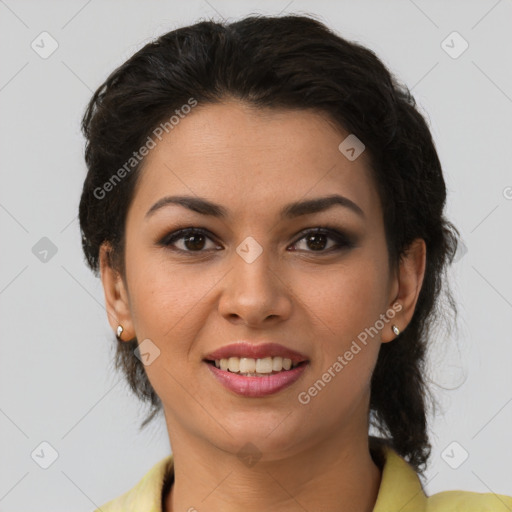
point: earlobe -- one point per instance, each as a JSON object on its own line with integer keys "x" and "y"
{"x": 411, "y": 273}
{"x": 116, "y": 297}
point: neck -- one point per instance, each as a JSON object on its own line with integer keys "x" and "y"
{"x": 326, "y": 476}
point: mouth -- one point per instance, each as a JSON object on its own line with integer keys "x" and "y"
{"x": 251, "y": 367}
{"x": 254, "y": 371}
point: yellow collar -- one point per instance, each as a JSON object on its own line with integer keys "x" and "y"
{"x": 400, "y": 487}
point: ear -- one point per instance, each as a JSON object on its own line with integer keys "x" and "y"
{"x": 408, "y": 282}
{"x": 116, "y": 296}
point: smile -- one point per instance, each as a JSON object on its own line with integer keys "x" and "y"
{"x": 249, "y": 366}
{"x": 260, "y": 382}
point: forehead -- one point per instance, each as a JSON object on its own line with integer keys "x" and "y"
{"x": 252, "y": 160}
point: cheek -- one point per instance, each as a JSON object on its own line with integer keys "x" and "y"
{"x": 345, "y": 305}
{"x": 346, "y": 300}
{"x": 166, "y": 300}
{"x": 167, "y": 305}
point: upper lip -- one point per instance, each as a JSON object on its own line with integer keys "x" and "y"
{"x": 260, "y": 351}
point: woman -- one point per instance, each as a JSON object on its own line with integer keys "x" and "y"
{"x": 265, "y": 206}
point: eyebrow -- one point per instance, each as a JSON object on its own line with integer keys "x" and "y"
{"x": 290, "y": 211}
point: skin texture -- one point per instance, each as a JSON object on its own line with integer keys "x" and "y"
{"x": 316, "y": 301}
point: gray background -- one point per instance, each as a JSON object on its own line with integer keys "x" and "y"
{"x": 57, "y": 382}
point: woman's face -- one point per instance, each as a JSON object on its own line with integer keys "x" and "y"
{"x": 256, "y": 275}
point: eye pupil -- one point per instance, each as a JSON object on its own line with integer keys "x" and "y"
{"x": 195, "y": 239}
{"x": 315, "y": 239}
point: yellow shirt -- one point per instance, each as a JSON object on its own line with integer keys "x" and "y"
{"x": 400, "y": 491}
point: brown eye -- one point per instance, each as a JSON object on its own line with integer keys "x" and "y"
{"x": 192, "y": 240}
{"x": 316, "y": 240}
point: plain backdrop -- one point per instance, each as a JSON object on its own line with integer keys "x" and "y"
{"x": 57, "y": 382}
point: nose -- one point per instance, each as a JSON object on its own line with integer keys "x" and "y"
{"x": 254, "y": 293}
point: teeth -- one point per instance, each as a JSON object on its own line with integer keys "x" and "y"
{"x": 277, "y": 363}
{"x": 250, "y": 366}
{"x": 264, "y": 365}
{"x": 247, "y": 365}
{"x": 234, "y": 364}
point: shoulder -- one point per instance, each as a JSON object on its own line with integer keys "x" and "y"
{"x": 146, "y": 495}
{"x": 462, "y": 501}
{"x": 401, "y": 489}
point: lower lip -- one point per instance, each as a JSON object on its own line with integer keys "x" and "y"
{"x": 255, "y": 387}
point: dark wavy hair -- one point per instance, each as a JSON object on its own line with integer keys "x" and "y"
{"x": 291, "y": 62}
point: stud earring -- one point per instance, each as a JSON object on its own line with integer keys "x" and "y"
{"x": 119, "y": 332}
{"x": 395, "y": 329}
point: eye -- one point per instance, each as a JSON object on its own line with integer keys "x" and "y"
{"x": 317, "y": 239}
{"x": 194, "y": 240}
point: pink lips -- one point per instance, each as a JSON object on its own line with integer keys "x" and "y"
{"x": 255, "y": 387}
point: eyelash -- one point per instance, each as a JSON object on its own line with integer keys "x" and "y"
{"x": 342, "y": 240}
